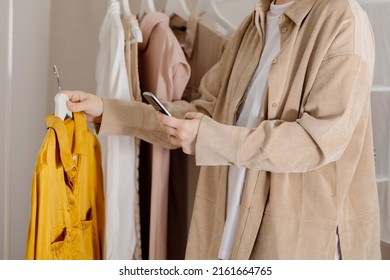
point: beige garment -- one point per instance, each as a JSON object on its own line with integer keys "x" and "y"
{"x": 203, "y": 47}
{"x": 165, "y": 72}
{"x": 311, "y": 158}
{"x": 131, "y": 57}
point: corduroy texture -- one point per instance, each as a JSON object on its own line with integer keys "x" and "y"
{"x": 311, "y": 158}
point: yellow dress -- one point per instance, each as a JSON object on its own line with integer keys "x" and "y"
{"x": 67, "y": 205}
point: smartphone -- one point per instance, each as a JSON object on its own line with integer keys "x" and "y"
{"x": 153, "y": 100}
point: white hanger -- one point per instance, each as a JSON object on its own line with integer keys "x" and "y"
{"x": 210, "y": 7}
{"x": 177, "y": 7}
{"x": 126, "y": 7}
{"x": 61, "y": 109}
{"x": 147, "y": 6}
{"x": 135, "y": 29}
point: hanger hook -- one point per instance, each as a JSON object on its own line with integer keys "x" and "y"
{"x": 58, "y": 77}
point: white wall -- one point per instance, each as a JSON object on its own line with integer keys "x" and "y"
{"x": 74, "y": 45}
{"x": 27, "y": 117}
{"x": 3, "y": 92}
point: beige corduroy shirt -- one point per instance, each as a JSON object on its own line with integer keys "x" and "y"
{"x": 311, "y": 165}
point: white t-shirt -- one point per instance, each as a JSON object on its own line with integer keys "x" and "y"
{"x": 249, "y": 117}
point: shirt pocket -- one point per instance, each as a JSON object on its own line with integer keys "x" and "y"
{"x": 79, "y": 242}
{"x": 60, "y": 247}
{"x": 89, "y": 241}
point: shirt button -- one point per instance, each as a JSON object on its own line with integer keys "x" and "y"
{"x": 284, "y": 30}
{"x": 282, "y": 18}
{"x": 275, "y": 60}
{"x": 74, "y": 157}
{"x": 274, "y": 105}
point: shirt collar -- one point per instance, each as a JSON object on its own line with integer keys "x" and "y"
{"x": 296, "y": 12}
{"x": 79, "y": 145}
{"x": 80, "y": 132}
{"x": 299, "y": 10}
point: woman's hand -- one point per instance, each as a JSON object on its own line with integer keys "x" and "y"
{"x": 90, "y": 104}
{"x": 181, "y": 132}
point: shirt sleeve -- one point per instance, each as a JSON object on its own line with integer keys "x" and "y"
{"x": 336, "y": 103}
{"x": 139, "y": 119}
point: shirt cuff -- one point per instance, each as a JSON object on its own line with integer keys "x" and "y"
{"x": 218, "y": 144}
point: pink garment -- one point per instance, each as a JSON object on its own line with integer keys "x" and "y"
{"x": 203, "y": 46}
{"x": 163, "y": 70}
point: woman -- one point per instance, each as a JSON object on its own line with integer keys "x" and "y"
{"x": 282, "y": 132}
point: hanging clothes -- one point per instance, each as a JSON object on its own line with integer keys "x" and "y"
{"x": 203, "y": 47}
{"x": 67, "y": 206}
{"x": 119, "y": 151}
{"x": 165, "y": 72}
{"x": 130, "y": 24}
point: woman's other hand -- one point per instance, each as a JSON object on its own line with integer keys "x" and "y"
{"x": 90, "y": 104}
{"x": 182, "y": 132}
